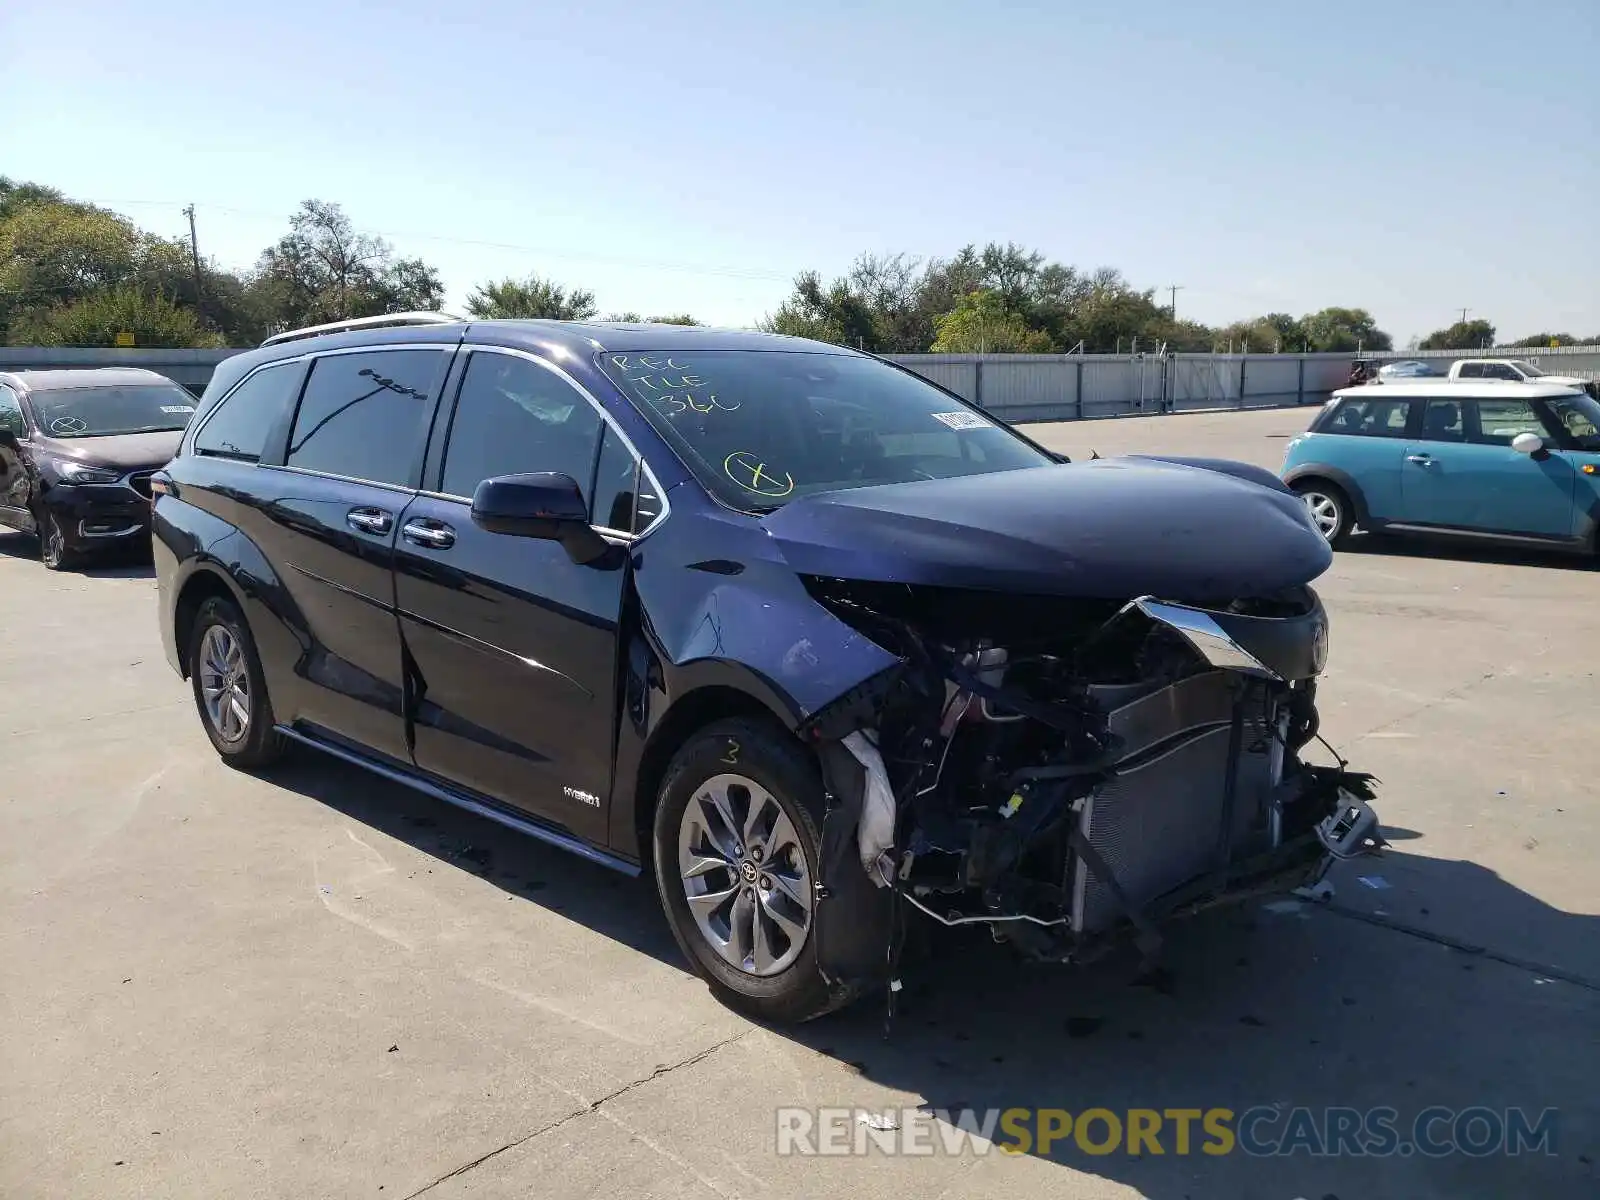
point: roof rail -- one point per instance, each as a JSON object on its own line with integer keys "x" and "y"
{"x": 386, "y": 321}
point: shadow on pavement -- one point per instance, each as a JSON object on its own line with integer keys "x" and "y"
{"x": 18, "y": 545}
{"x": 1466, "y": 550}
{"x": 1271, "y": 1004}
{"x": 625, "y": 910}
{"x": 129, "y": 563}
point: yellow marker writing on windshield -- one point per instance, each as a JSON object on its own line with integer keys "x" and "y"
{"x": 750, "y": 473}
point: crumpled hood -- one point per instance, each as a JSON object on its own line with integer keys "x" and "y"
{"x": 120, "y": 452}
{"x": 1110, "y": 528}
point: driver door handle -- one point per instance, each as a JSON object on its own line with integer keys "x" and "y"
{"x": 435, "y": 535}
{"x": 370, "y": 520}
{"x": 1422, "y": 460}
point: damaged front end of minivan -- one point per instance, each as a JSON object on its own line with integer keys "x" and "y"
{"x": 1071, "y": 773}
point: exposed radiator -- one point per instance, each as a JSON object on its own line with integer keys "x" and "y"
{"x": 1157, "y": 823}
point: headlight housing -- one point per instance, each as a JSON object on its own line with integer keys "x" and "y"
{"x": 76, "y": 472}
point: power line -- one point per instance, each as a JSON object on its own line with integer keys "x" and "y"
{"x": 727, "y": 272}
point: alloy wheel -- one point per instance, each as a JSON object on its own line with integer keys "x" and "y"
{"x": 1325, "y": 512}
{"x": 745, "y": 875}
{"x": 225, "y": 684}
{"x": 52, "y": 542}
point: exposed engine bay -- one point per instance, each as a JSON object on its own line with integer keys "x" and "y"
{"x": 1072, "y": 771}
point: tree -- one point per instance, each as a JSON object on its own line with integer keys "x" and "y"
{"x": 97, "y": 320}
{"x": 14, "y": 193}
{"x": 323, "y": 270}
{"x": 1537, "y": 340}
{"x": 673, "y": 319}
{"x": 1342, "y": 329}
{"x": 1463, "y": 335}
{"x": 55, "y": 253}
{"x": 531, "y": 298}
{"x": 982, "y": 324}
{"x": 1272, "y": 333}
{"x": 835, "y": 314}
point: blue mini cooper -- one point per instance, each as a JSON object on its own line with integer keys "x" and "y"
{"x": 1506, "y": 461}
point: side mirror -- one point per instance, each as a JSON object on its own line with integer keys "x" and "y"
{"x": 1527, "y": 443}
{"x": 543, "y": 504}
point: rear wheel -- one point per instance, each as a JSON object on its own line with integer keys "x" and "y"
{"x": 1329, "y": 508}
{"x": 736, "y": 846}
{"x": 230, "y": 690}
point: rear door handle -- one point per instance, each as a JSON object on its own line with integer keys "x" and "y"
{"x": 370, "y": 520}
{"x": 435, "y": 535}
{"x": 1422, "y": 460}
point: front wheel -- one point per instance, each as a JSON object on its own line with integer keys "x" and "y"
{"x": 53, "y": 550}
{"x": 229, "y": 688}
{"x": 736, "y": 846}
{"x": 1329, "y": 508}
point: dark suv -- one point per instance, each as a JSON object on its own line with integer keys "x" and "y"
{"x": 77, "y": 449}
{"x": 817, "y": 639}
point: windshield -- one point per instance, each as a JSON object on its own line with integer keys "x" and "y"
{"x": 760, "y": 428}
{"x": 1581, "y": 415}
{"x": 1527, "y": 368}
{"x": 112, "y": 409}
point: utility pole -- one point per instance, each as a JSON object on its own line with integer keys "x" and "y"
{"x": 1464, "y": 313}
{"x": 194, "y": 252}
{"x": 1175, "y": 288}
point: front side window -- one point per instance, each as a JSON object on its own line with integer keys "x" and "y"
{"x": 513, "y": 417}
{"x": 109, "y": 409}
{"x": 1441, "y": 422}
{"x": 1581, "y": 417}
{"x": 241, "y": 423}
{"x": 11, "y": 418}
{"x": 1501, "y": 371}
{"x": 1499, "y": 421}
{"x": 364, "y": 416}
{"x": 759, "y": 428}
{"x": 1368, "y": 417}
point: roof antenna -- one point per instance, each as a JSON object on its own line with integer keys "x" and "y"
{"x": 1093, "y": 454}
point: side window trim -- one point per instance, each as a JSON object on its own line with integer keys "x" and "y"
{"x": 432, "y": 484}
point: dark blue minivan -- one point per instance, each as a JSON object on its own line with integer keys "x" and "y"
{"x": 814, "y": 640}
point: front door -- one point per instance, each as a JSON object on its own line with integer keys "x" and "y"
{"x": 351, "y": 465}
{"x": 513, "y": 645}
{"x": 1464, "y": 474}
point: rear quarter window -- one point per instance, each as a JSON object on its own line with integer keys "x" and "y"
{"x": 246, "y": 416}
{"x": 1367, "y": 417}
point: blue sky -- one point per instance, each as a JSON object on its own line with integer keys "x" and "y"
{"x": 1410, "y": 157}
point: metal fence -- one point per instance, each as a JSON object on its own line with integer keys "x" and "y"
{"x": 1065, "y": 387}
{"x": 1053, "y": 387}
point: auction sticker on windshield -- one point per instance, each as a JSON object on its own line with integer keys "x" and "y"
{"x": 962, "y": 420}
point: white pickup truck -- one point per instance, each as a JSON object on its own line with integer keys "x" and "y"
{"x": 1512, "y": 370}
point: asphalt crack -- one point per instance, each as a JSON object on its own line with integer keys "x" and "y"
{"x": 584, "y": 1110}
{"x": 1454, "y": 693}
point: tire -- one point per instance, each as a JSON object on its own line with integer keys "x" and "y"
{"x": 774, "y": 774}
{"x": 53, "y": 552}
{"x": 1330, "y": 509}
{"x": 222, "y": 655}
